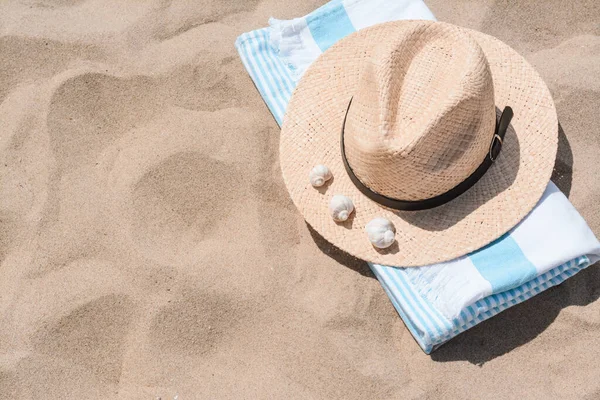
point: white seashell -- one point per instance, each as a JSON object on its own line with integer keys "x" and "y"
{"x": 381, "y": 232}
{"x": 340, "y": 207}
{"x": 319, "y": 175}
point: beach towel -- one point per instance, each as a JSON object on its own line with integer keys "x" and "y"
{"x": 436, "y": 302}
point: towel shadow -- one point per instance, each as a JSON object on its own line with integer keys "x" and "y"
{"x": 519, "y": 324}
{"x": 562, "y": 175}
{"x": 448, "y": 215}
{"x": 522, "y": 323}
{"x": 340, "y": 256}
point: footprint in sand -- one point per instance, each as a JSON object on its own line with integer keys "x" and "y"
{"x": 176, "y": 190}
{"x": 41, "y": 377}
{"x": 90, "y": 111}
{"x": 33, "y": 59}
{"x": 8, "y": 383}
{"x": 180, "y": 16}
{"x": 87, "y": 113}
{"x": 98, "y": 327}
{"x": 80, "y": 315}
{"x": 58, "y": 3}
{"x": 180, "y": 201}
{"x": 197, "y": 323}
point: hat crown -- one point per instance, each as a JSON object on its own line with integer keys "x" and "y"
{"x": 423, "y": 116}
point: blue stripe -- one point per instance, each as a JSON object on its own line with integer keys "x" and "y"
{"x": 277, "y": 73}
{"x": 488, "y": 303}
{"x": 329, "y": 25}
{"x": 249, "y": 58}
{"x": 503, "y": 264}
{"x": 267, "y": 73}
{"x": 395, "y": 287}
{"x": 281, "y": 68}
{"x": 267, "y": 70}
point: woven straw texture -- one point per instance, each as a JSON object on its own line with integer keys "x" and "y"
{"x": 423, "y": 114}
{"x": 418, "y": 124}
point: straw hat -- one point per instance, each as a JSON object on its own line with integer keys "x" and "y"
{"x": 404, "y": 122}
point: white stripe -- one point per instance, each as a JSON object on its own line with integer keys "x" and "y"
{"x": 363, "y": 14}
{"x": 294, "y": 45}
{"x": 564, "y": 234}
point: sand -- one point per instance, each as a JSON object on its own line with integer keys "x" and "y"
{"x": 149, "y": 249}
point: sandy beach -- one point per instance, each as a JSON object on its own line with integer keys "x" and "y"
{"x": 149, "y": 248}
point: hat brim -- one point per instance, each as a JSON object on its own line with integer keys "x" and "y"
{"x": 310, "y": 135}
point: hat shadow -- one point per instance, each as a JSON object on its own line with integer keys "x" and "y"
{"x": 430, "y": 219}
{"x": 521, "y": 323}
{"x": 562, "y": 174}
{"x": 339, "y": 255}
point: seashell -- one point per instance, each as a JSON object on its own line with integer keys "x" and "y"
{"x": 319, "y": 175}
{"x": 381, "y": 232}
{"x": 340, "y": 207}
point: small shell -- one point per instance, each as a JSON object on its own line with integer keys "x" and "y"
{"x": 381, "y": 232}
{"x": 340, "y": 208}
{"x": 319, "y": 175}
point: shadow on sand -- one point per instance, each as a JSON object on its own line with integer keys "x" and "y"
{"x": 519, "y": 324}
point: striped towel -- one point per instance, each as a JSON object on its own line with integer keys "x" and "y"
{"x": 436, "y": 302}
